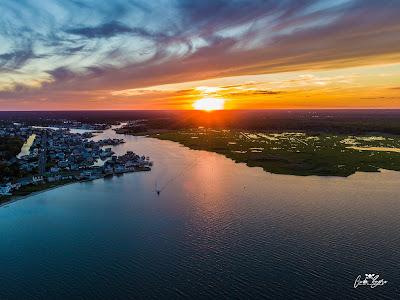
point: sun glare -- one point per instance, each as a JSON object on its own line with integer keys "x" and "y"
{"x": 209, "y": 104}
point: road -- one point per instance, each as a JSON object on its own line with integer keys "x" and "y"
{"x": 42, "y": 157}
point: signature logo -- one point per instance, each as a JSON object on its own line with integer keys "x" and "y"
{"x": 371, "y": 280}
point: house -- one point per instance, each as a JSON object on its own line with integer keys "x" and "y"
{"x": 90, "y": 174}
{"x": 26, "y": 167}
{"x": 74, "y": 167}
{"x": 54, "y": 178}
{"x": 16, "y": 186}
{"x": 86, "y": 174}
{"x": 60, "y": 155}
{"x": 54, "y": 169}
{"x": 130, "y": 164}
{"x": 5, "y": 189}
{"x": 37, "y": 179}
{"x": 63, "y": 163}
{"x": 119, "y": 169}
{"x": 108, "y": 169}
{"x": 25, "y": 181}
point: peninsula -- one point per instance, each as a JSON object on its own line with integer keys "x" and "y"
{"x": 34, "y": 158}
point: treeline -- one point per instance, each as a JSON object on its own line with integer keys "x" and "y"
{"x": 9, "y": 149}
{"x": 315, "y": 122}
{"x": 334, "y": 121}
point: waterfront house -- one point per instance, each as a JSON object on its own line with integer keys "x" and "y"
{"x": 5, "y": 189}
{"x": 37, "y": 179}
{"x": 119, "y": 169}
{"x": 54, "y": 178}
{"x": 26, "y": 167}
{"x": 108, "y": 169}
{"x": 90, "y": 174}
{"x": 25, "y": 181}
{"x": 130, "y": 164}
{"x": 16, "y": 186}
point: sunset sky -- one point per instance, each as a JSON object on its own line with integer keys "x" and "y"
{"x": 140, "y": 54}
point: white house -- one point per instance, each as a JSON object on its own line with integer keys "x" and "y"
{"x": 37, "y": 179}
{"x": 5, "y": 189}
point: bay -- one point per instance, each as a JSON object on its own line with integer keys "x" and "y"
{"x": 217, "y": 230}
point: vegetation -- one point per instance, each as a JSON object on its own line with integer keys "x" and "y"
{"x": 325, "y": 121}
{"x": 296, "y": 153}
{"x": 331, "y": 121}
{"x": 9, "y": 149}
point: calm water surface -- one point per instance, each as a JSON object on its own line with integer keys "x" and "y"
{"x": 218, "y": 230}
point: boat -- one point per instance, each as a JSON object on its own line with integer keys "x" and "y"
{"x": 158, "y": 191}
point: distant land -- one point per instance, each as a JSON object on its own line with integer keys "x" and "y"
{"x": 324, "y": 143}
{"x": 295, "y": 142}
{"x": 354, "y": 121}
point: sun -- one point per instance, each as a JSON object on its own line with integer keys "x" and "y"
{"x": 209, "y": 104}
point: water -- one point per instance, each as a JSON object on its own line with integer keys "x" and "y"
{"x": 217, "y": 230}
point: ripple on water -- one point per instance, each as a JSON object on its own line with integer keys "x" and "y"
{"x": 218, "y": 229}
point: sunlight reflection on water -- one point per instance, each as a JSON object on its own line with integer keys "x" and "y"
{"x": 218, "y": 229}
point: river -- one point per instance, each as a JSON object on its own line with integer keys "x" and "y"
{"x": 217, "y": 230}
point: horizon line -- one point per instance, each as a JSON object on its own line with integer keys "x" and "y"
{"x": 194, "y": 110}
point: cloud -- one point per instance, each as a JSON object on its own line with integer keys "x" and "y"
{"x": 61, "y": 73}
{"x": 107, "y": 30}
{"x": 15, "y": 60}
{"x": 114, "y": 45}
{"x": 254, "y": 92}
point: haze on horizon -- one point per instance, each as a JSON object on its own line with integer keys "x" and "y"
{"x": 121, "y": 54}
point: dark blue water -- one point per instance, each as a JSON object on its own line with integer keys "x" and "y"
{"x": 218, "y": 230}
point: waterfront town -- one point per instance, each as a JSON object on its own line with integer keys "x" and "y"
{"x": 35, "y": 158}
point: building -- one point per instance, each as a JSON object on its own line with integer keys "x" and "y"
{"x": 25, "y": 181}
{"x": 5, "y": 189}
{"x": 37, "y": 179}
{"x": 54, "y": 170}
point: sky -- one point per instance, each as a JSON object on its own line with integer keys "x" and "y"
{"x": 168, "y": 54}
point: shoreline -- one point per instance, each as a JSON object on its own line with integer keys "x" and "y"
{"x": 21, "y": 197}
{"x": 283, "y": 163}
{"x": 13, "y": 199}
